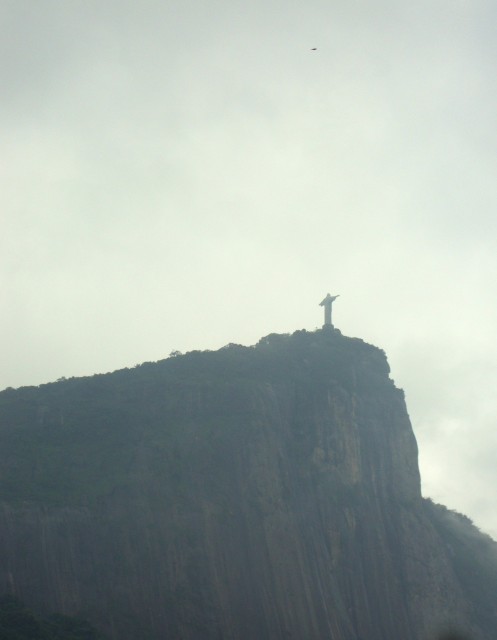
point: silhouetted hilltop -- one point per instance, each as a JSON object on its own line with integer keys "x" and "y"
{"x": 252, "y": 492}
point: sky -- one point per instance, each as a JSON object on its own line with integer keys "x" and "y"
{"x": 182, "y": 175}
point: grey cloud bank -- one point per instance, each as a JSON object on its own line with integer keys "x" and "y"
{"x": 177, "y": 176}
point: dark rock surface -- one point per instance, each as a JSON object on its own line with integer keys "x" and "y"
{"x": 252, "y": 493}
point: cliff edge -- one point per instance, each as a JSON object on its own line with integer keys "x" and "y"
{"x": 266, "y": 492}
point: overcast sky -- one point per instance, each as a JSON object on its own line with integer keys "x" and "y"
{"x": 179, "y": 175}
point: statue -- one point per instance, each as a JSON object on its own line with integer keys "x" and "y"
{"x": 326, "y": 303}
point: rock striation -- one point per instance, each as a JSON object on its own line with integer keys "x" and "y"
{"x": 252, "y": 493}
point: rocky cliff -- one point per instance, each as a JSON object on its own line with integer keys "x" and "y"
{"x": 252, "y": 493}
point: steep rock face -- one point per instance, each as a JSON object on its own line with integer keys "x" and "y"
{"x": 250, "y": 493}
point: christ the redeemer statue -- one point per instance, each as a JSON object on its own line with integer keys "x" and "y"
{"x": 326, "y": 303}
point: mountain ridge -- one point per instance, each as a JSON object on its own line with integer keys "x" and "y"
{"x": 251, "y": 492}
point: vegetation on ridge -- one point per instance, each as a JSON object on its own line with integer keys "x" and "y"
{"x": 474, "y": 556}
{"x": 73, "y": 441}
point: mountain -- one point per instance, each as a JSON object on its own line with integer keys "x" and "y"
{"x": 251, "y": 493}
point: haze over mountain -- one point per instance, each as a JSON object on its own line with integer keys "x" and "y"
{"x": 249, "y": 493}
{"x": 175, "y": 175}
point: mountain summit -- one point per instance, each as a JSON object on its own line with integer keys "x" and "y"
{"x": 251, "y": 493}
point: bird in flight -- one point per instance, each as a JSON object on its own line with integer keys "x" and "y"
{"x": 314, "y": 49}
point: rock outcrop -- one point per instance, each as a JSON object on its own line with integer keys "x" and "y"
{"x": 253, "y": 493}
